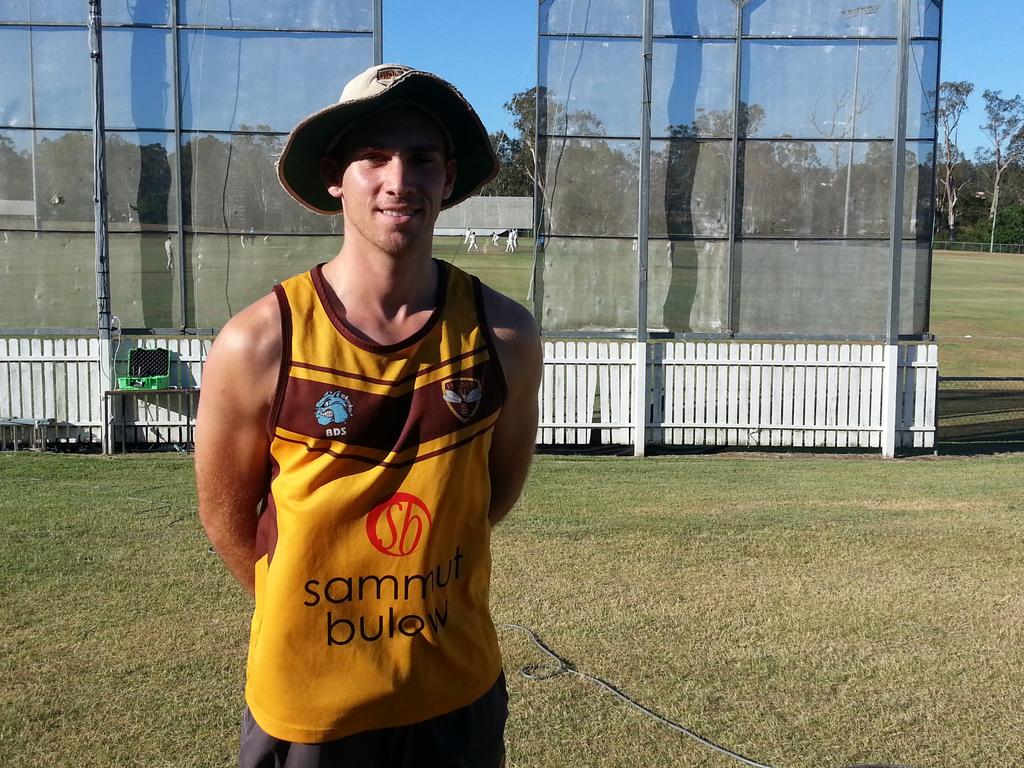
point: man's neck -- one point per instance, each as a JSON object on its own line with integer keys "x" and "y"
{"x": 386, "y": 297}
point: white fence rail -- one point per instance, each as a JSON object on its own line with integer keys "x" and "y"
{"x": 50, "y": 393}
{"x": 736, "y": 394}
{"x": 792, "y": 395}
{"x": 51, "y": 382}
{"x": 586, "y": 394}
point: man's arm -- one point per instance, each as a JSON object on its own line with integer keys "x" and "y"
{"x": 515, "y": 433}
{"x": 232, "y": 444}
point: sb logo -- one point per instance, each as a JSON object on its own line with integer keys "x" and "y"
{"x": 398, "y": 525}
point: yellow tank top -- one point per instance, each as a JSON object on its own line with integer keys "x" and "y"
{"x": 372, "y": 591}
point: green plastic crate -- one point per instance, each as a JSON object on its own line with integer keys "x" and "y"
{"x": 147, "y": 369}
{"x": 143, "y": 382}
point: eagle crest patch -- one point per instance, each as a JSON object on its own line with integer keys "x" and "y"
{"x": 462, "y": 396}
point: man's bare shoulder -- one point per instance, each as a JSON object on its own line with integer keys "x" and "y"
{"x": 517, "y": 343}
{"x": 508, "y": 320}
{"x": 249, "y": 344}
{"x": 516, "y": 337}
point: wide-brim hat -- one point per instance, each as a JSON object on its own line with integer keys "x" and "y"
{"x": 298, "y": 167}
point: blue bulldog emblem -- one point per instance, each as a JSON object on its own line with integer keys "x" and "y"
{"x": 333, "y": 408}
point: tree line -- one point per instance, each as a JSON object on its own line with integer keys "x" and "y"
{"x": 977, "y": 199}
{"x": 229, "y": 184}
{"x": 980, "y": 199}
{"x": 587, "y": 185}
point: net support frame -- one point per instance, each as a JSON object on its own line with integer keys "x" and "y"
{"x": 643, "y": 232}
{"x": 103, "y": 307}
{"x": 899, "y": 169}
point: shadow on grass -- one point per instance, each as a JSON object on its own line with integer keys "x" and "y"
{"x": 980, "y": 415}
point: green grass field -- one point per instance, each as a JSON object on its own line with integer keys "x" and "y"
{"x": 977, "y": 313}
{"x": 508, "y": 273}
{"x": 976, "y": 300}
{"x": 977, "y": 303}
{"x": 809, "y": 612}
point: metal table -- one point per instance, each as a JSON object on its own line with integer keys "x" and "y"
{"x": 187, "y": 400}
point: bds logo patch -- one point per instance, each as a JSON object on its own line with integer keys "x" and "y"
{"x": 399, "y": 525}
{"x": 333, "y": 408}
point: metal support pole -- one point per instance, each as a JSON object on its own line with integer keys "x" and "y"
{"x": 99, "y": 197}
{"x": 378, "y": 32}
{"x": 178, "y": 152}
{"x": 535, "y": 293}
{"x": 853, "y": 135}
{"x": 860, "y": 12}
{"x": 734, "y": 164}
{"x": 32, "y": 122}
{"x": 899, "y": 169}
{"x": 643, "y": 235}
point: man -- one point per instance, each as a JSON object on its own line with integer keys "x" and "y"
{"x": 380, "y": 411}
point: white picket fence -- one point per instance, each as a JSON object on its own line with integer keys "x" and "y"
{"x": 792, "y": 395}
{"x": 49, "y": 389}
{"x": 51, "y": 393}
{"x": 789, "y": 395}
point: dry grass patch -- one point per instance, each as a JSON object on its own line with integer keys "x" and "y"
{"x": 807, "y": 612}
{"x": 793, "y": 609}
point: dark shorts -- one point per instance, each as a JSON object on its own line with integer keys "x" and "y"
{"x": 471, "y": 737}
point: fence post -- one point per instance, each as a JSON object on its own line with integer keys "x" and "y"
{"x": 639, "y": 398}
{"x": 890, "y": 398}
{"x": 105, "y": 378}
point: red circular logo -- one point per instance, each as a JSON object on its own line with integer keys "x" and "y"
{"x": 398, "y": 526}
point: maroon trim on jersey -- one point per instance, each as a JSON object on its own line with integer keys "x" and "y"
{"x": 389, "y": 464}
{"x": 336, "y": 312}
{"x": 388, "y": 382}
{"x": 266, "y": 525}
{"x": 485, "y": 329}
{"x": 387, "y": 423}
{"x": 286, "y": 358}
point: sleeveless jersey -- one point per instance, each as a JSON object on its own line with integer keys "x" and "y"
{"x": 372, "y": 589}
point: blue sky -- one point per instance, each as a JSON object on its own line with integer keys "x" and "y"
{"x": 979, "y": 40}
{"x": 488, "y": 49}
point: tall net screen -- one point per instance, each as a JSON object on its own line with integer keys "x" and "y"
{"x": 773, "y": 128}
{"x": 198, "y": 99}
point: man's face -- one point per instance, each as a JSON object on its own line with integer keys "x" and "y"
{"x": 392, "y": 175}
